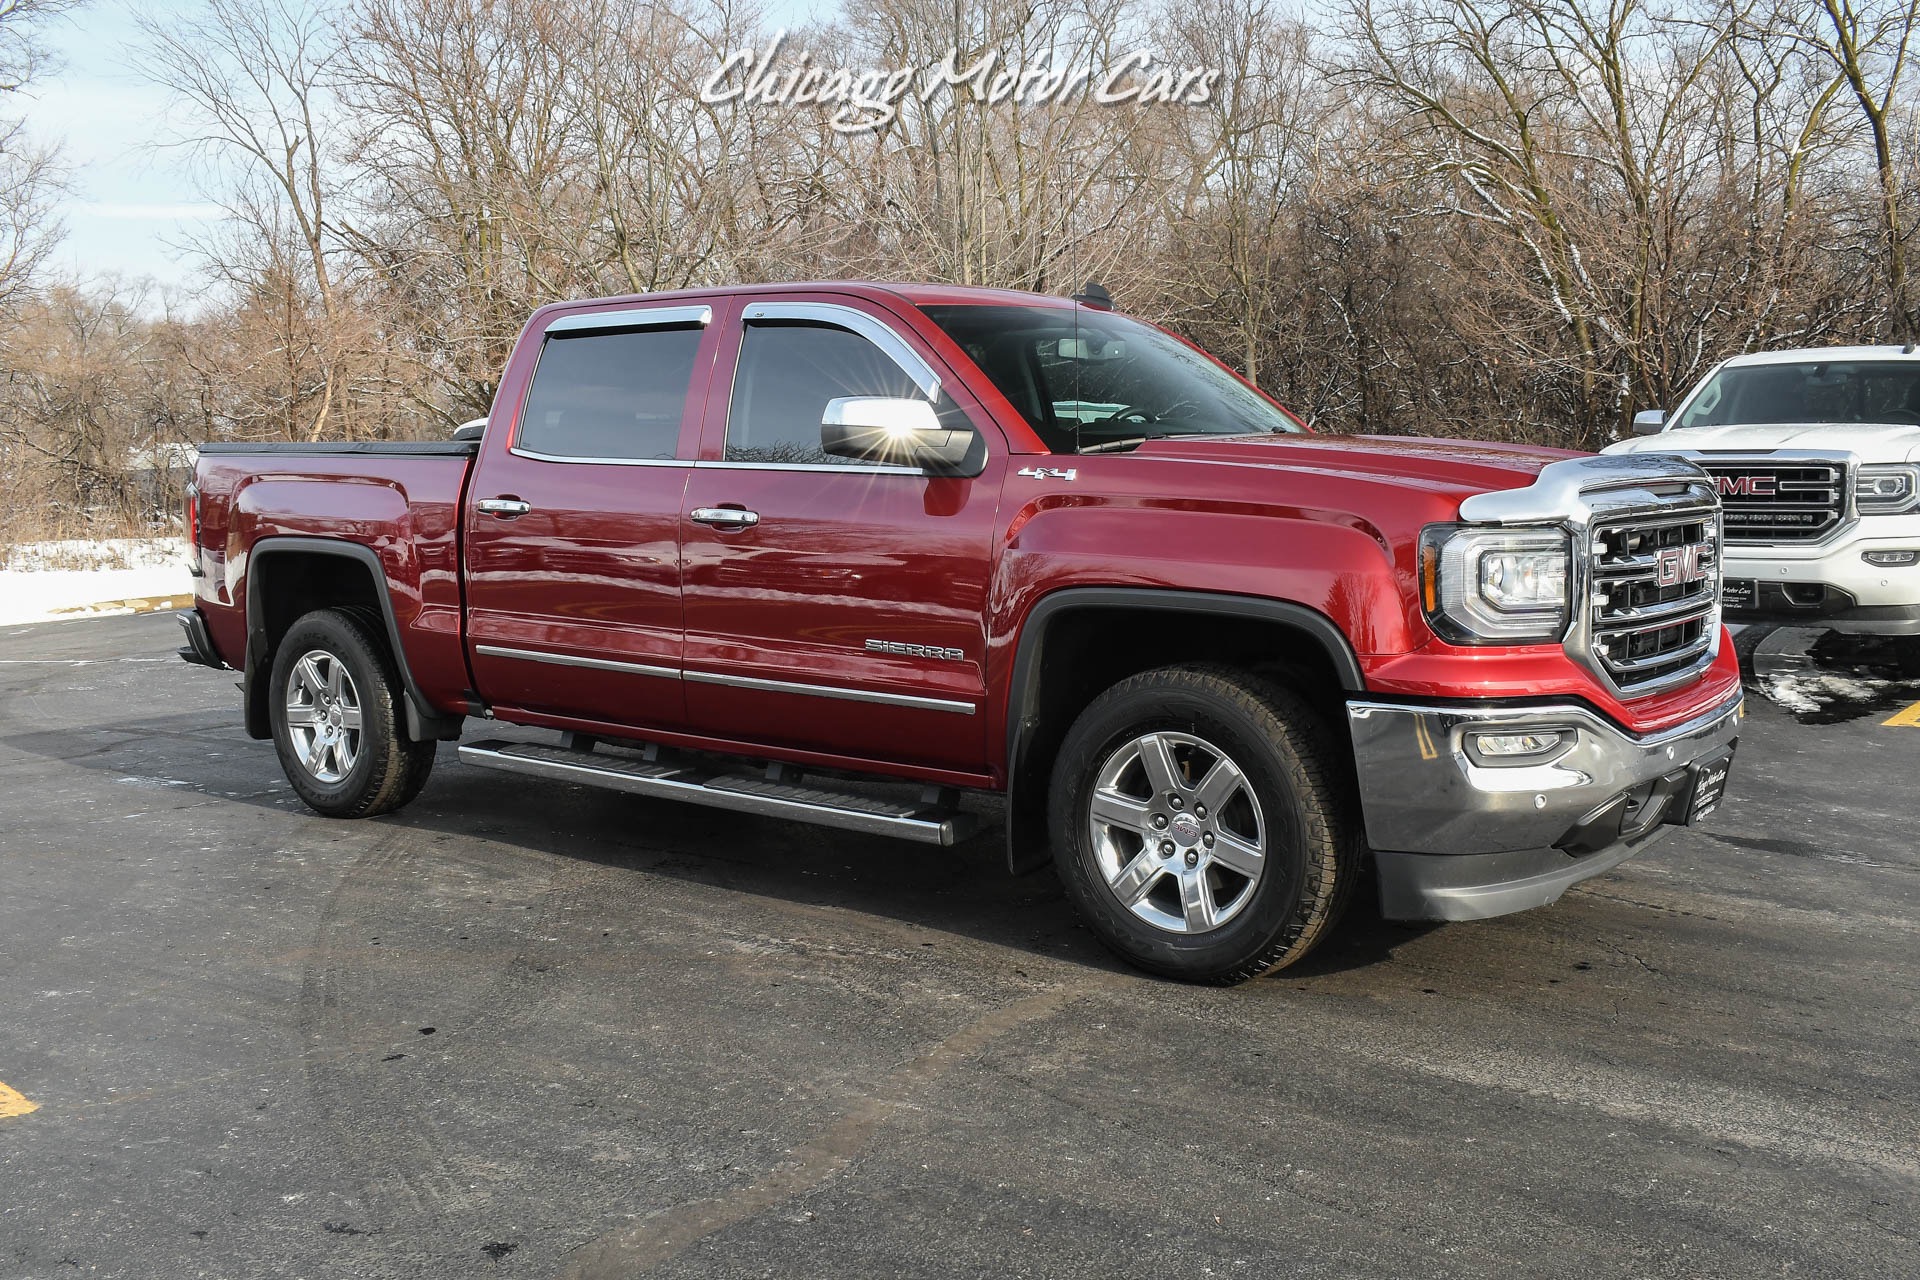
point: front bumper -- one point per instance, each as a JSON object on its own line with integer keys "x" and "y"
{"x": 1458, "y": 839}
{"x": 1829, "y": 583}
{"x": 1821, "y": 604}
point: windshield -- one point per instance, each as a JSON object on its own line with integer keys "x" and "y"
{"x": 1093, "y": 381}
{"x": 1853, "y": 391}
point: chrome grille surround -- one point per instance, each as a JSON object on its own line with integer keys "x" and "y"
{"x": 1645, "y": 635}
{"x": 1622, "y": 511}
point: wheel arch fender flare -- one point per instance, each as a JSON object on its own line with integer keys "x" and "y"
{"x": 424, "y": 722}
{"x": 1026, "y": 795}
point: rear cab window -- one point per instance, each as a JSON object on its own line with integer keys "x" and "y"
{"x": 609, "y": 393}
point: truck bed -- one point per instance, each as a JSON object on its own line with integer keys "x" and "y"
{"x": 383, "y": 448}
{"x": 396, "y": 502}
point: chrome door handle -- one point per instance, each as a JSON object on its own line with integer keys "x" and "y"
{"x": 724, "y": 517}
{"x": 503, "y": 506}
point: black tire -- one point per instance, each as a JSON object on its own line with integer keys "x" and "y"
{"x": 387, "y": 768}
{"x": 1292, "y": 787}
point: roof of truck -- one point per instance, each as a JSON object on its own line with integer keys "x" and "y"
{"x": 1807, "y": 355}
{"x": 918, "y": 295}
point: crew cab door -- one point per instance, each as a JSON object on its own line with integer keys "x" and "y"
{"x": 835, "y": 606}
{"x": 572, "y": 527}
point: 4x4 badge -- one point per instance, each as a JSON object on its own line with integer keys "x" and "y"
{"x": 1048, "y": 473}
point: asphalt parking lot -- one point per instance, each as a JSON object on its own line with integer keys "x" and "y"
{"x": 523, "y": 1028}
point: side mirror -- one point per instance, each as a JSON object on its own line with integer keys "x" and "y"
{"x": 886, "y": 429}
{"x": 1649, "y": 422}
{"x": 470, "y": 430}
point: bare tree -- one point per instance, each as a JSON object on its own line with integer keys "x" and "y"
{"x": 31, "y": 178}
{"x": 1518, "y": 219}
{"x": 1249, "y": 164}
{"x": 252, "y": 79}
{"x": 1869, "y": 45}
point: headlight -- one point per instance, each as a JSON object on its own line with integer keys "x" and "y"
{"x": 1885, "y": 490}
{"x": 1494, "y": 586}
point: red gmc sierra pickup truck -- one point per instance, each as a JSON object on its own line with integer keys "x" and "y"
{"x": 766, "y": 548}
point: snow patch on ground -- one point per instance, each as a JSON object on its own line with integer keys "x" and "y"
{"x": 47, "y": 581}
{"x": 1811, "y": 691}
{"x": 81, "y": 554}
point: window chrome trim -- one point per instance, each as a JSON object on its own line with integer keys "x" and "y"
{"x": 826, "y": 468}
{"x": 828, "y": 691}
{"x": 874, "y": 330}
{"x": 632, "y": 318}
{"x": 537, "y": 456}
{"x": 568, "y": 660}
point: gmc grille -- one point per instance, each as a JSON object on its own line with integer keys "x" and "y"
{"x": 1656, "y": 596}
{"x": 1766, "y": 501}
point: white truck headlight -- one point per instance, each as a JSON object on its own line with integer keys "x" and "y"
{"x": 1495, "y": 586}
{"x": 1886, "y": 489}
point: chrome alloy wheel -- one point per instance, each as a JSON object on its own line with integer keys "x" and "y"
{"x": 323, "y": 716}
{"x": 1177, "y": 832}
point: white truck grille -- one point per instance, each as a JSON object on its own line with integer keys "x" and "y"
{"x": 1774, "y": 501}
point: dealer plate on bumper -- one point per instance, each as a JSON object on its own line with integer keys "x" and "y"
{"x": 1740, "y": 593}
{"x": 1706, "y": 785}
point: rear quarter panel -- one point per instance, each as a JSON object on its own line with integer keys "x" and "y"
{"x": 406, "y": 510}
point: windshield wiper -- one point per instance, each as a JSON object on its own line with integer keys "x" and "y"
{"x": 1116, "y": 446}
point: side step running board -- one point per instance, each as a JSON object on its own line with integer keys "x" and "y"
{"x": 926, "y": 822}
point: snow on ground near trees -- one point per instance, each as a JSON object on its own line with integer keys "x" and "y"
{"x": 47, "y": 581}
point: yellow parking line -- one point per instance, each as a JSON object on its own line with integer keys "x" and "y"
{"x": 1907, "y": 719}
{"x": 13, "y": 1104}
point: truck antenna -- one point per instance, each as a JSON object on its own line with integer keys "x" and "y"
{"x": 1094, "y": 295}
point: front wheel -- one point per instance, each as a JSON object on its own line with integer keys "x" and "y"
{"x": 339, "y": 720}
{"x": 1199, "y": 826}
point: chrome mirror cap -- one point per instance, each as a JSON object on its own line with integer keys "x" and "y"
{"x": 892, "y": 429}
{"x": 1649, "y": 422}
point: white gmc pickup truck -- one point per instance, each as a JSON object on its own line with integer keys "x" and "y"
{"x": 1816, "y": 454}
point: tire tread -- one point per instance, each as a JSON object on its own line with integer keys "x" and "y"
{"x": 1309, "y": 755}
{"x": 402, "y": 767}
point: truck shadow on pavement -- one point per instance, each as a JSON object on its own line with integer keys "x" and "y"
{"x": 965, "y": 890}
{"x": 1822, "y": 677}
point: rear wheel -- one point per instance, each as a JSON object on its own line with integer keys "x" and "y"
{"x": 339, "y": 720}
{"x": 1199, "y": 826}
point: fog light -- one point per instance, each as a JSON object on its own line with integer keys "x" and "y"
{"x": 1889, "y": 559}
{"x": 1515, "y": 748}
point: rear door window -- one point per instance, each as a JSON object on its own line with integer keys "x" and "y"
{"x": 617, "y": 395}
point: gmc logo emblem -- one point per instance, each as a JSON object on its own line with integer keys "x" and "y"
{"x": 1674, "y": 566}
{"x": 1746, "y": 486}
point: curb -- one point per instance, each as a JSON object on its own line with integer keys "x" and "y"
{"x": 136, "y": 604}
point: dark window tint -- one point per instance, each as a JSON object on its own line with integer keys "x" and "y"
{"x": 1817, "y": 391}
{"x": 787, "y": 374}
{"x": 610, "y": 395}
{"x": 1088, "y": 379}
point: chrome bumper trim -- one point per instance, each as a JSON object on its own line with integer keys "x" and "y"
{"x": 1422, "y": 794}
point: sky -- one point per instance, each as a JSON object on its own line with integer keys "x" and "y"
{"x": 133, "y": 202}
{"x": 129, "y": 199}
